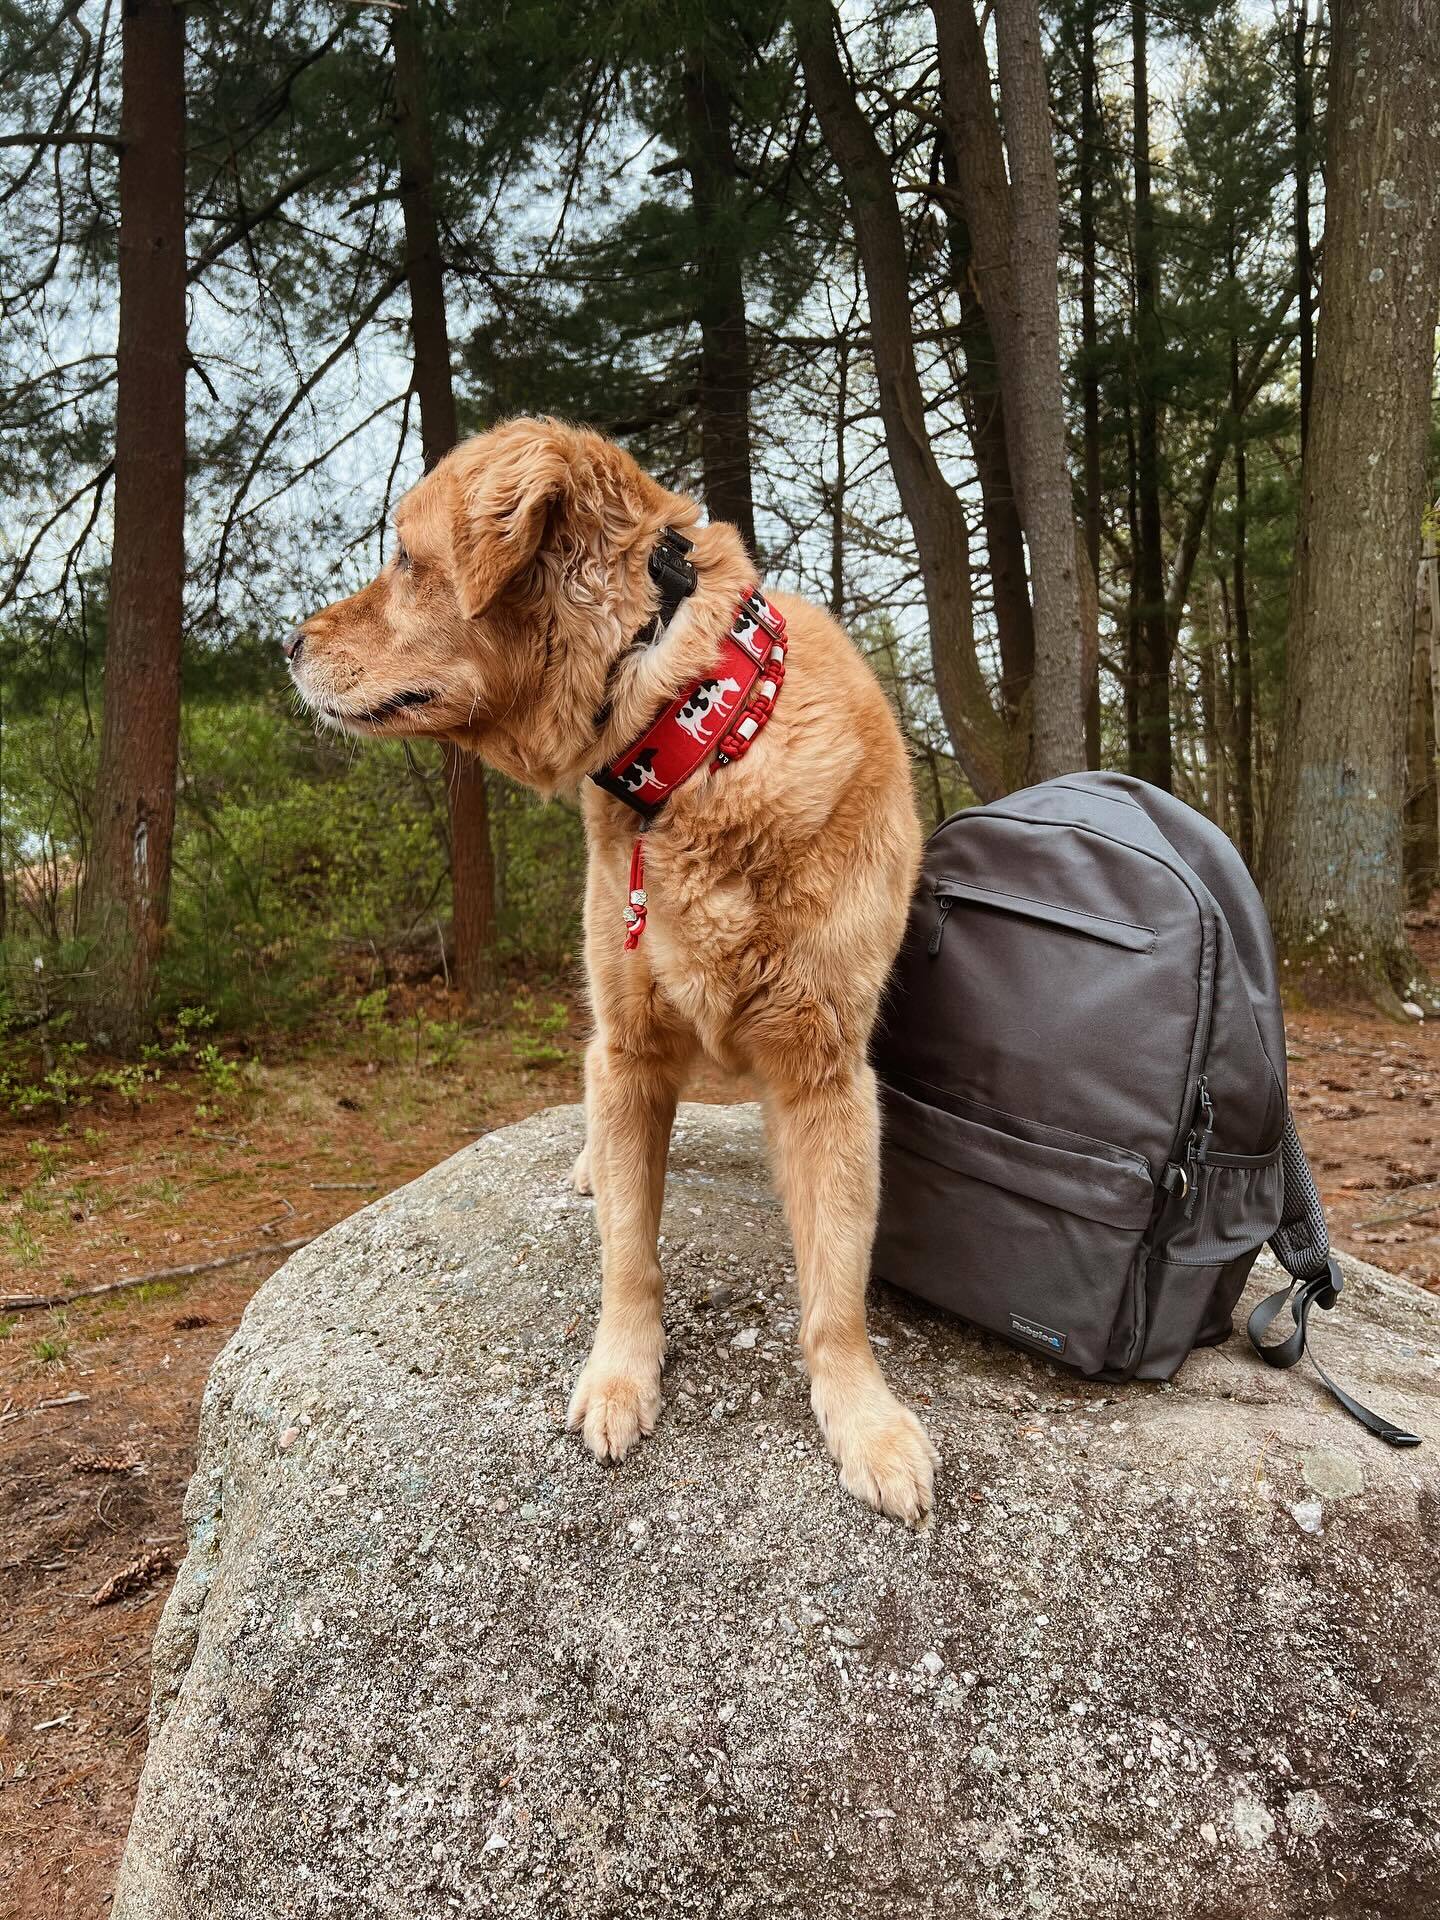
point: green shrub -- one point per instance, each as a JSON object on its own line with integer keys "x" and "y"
{"x": 294, "y": 851}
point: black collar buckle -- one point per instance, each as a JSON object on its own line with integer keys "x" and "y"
{"x": 677, "y": 578}
{"x": 673, "y": 572}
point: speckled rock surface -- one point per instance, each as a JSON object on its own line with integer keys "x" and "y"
{"x": 1167, "y": 1651}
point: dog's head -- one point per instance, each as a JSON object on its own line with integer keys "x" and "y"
{"x": 516, "y": 580}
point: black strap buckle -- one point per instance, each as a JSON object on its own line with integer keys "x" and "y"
{"x": 672, "y": 571}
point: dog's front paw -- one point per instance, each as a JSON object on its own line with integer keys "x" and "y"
{"x": 613, "y": 1408}
{"x": 885, "y": 1456}
{"x": 580, "y": 1178}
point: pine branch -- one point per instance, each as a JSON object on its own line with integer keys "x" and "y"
{"x": 61, "y": 139}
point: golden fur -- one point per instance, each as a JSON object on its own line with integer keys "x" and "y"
{"x": 778, "y": 887}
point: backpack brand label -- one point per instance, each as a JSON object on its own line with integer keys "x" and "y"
{"x": 1048, "y": 1337}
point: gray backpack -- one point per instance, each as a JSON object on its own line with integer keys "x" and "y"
{"x": 1086, "y": 1134}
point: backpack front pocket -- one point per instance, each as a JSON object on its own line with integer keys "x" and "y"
{"x": 1028, "y": 1230}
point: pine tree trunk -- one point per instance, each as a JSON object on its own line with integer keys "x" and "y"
{"x": 1153, "y": 691}
{"x": 1332, "y": 862}
{"x": 1133, "y": 636}
{"x": 725, "y": 375}
{"x": 127, "y": 885}
{"x": 999, "y": 507}
{"x": 4, "y": 896}
{"x": 837, "y": 491}
{"x": 1013, "y": 220}
{"x": 1035, "y": 408}
{"x": 1244, "y": 672}
{"x": 983, "y": 744}
{"x": 1422, "y": 789}
{"x": 1214, "y": 775}
{"x": 1090, "y": 352}
{"x": 1304, "y": 262}
{"x": 472, "y": 864}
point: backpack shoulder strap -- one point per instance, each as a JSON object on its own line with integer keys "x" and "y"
{"x": 1301, "y": 1243}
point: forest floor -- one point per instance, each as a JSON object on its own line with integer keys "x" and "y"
{"x": 99, "y": 1399}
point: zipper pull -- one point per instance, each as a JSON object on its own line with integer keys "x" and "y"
{"x": 939, "y": 934}
{"x": 1197, "y": 1146}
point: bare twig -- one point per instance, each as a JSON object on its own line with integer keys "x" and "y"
{"x": 44, "y": 1406}
{"x": 1417, "y": 1206}
{"x": 26, "y": 1303}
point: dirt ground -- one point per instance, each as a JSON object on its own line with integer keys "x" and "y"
{"x": 99, "y": 1400}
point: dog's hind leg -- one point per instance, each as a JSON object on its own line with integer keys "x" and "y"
{"x": 630, "y": 1107}
{"x": 827, "y": 1147}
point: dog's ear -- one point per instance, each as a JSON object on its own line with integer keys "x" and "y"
{"x": 512, "y": 486}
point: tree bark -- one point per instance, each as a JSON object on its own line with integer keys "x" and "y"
{"x": 837, "y": 491}
{"x": 1133, "y": 638}
{"x": 725, "y": 372}
{"x": 1090, "y": 352}
{"x": 982, "y": 743}
{"x": 1332, "y": 860}
{"x": 1035, "y": 410}
{"x": 1013, "y": 221}
{"x": 999, "y": 506}
{"x": 127, "y": 885}
{"x": 472, "y": 864}
{"x": 1154, "y": 648}
{"x": 1422, "y": 789}
{"x": 1304, "y": 262}
{"x": 1244, "y": 671}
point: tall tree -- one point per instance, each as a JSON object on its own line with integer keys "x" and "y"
{"x": 984, "y": 407}
{"x": 725, "y": 372}
{"x": 1014, "y": 219}
{"x": 472, "y": 862}
{"x": 1332, "y": 859}
{"x": 1244, "y": 676}
{"x": 1304, "y": 166}
{"x": 128, "y": 879}
{"x": 1089, "y": 145}
{"x": 982, "y": 742}
{"x": 1039, "y": 409}
{"x": 1152, "y": 640}
{"x": 1422, "y": 788}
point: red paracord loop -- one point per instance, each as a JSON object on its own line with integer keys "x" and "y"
{"x": 635, "y": 904}
{"x": 761, "y": 703}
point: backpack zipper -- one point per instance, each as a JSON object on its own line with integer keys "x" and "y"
{"x": 1197, "y": 1145}
{"x": 939, "y": 934}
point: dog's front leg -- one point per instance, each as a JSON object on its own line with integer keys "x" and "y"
{"x": 629, "y": 1110}
{"x": 827, "y": 1147}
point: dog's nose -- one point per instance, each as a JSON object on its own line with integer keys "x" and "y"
{"x": 292, "y": 643}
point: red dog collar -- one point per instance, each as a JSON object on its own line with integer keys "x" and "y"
{"x": 714, "y": 718}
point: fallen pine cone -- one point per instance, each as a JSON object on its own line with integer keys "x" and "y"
{"x": 104, "y": 1462}
{"x": 132, "y": 1579}
{"x": 187, "y": 1321}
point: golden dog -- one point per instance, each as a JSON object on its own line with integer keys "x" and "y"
{"x": 778, "y": 886}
